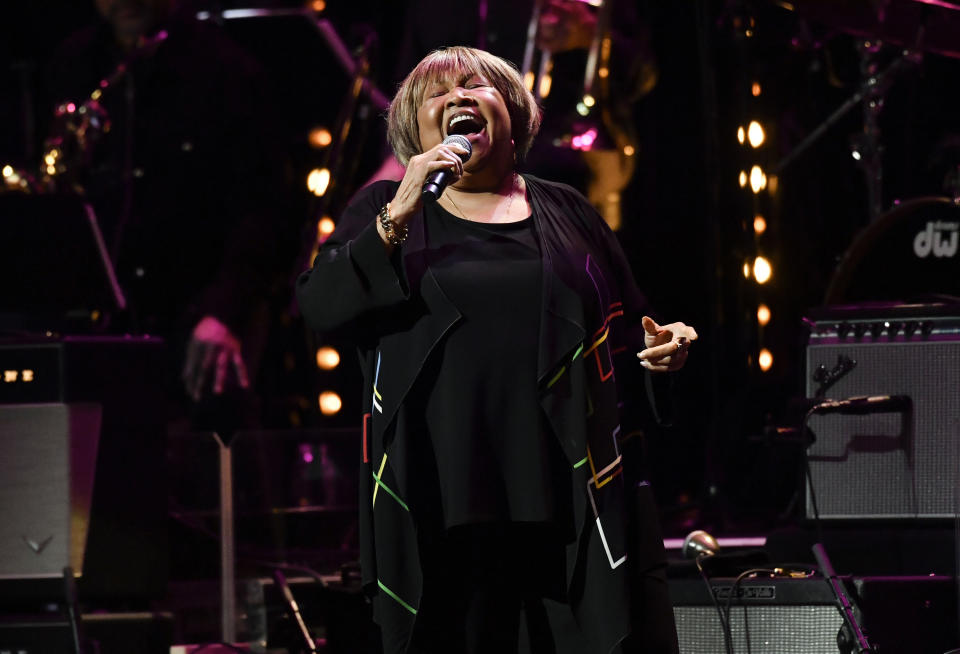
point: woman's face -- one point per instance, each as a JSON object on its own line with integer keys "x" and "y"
{"x": 468, "y": 105}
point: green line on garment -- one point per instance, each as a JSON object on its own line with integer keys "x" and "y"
{"x": 580, "y": 462}
{"x": 392, "y": 494}
{"x": 577, "y": 353}
{"x": 396, "y": 597}
{"x": 557, "y": 376}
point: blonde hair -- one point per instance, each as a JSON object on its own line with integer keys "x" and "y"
{"x": 403, "y": 131}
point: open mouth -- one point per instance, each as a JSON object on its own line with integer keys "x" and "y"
{"x": 464, "y": 124}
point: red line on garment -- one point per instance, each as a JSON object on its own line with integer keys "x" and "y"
{"x": 366, "y": 421}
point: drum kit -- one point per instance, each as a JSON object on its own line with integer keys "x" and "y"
{"x": 907, "y": 252}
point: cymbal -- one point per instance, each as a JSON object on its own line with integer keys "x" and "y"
{"x": 928, "y": 25}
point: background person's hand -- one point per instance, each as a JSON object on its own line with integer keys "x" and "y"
{"x": 667, "y": 345}
{"x": 213, "y": 353}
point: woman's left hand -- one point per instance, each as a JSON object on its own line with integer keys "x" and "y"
{"x": 667, "y": 345}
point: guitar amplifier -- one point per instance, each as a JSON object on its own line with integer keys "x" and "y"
{"x": 768, "y": 616}
{"x": 802, "y": 616}
{"x": 82, "y": 481}
{"x": 886, "y": 465}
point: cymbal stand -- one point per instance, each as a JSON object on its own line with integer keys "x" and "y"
{"x": 866, "y": 145}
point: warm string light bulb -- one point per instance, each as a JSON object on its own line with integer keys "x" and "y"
{"x": 330, "y": 403}
{"x": 755, "y": 134}
{"x": 763, "y": 315}
{"x": 765, "y": 359}
{"x": 762, "y": 270}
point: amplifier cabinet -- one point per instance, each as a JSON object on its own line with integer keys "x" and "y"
{"x": 82, "y": 474}
{"x": 886, "y": 465}
{"x": 46, "y": 487}
{"x": 776, "y": 616}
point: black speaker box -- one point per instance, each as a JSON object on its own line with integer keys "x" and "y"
{"x": 112, "y": 633}
{"x": 887, "y": 465}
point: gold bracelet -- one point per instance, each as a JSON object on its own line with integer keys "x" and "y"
{"x": 395, "y": 232}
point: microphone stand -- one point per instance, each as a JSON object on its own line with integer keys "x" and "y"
{"x": 285, "y": 592}
{"x": 846, "y": 607}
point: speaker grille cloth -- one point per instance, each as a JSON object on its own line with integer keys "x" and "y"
{"x": 772, "y": 629}
{"x": 880, "y": 465}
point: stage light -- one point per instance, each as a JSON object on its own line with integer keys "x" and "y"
{"x": 8, "y": 171}
{"x": 755, "y": 134}
{"x": 10, "y": 375}
{"x": 756, "y": 89}
{"x": 741, "y": 135}
{"x": 318, "y": 180}
{"x": 629, "y": 150}
{"x": 26, "y": 375}
{"x": 758, "y": 180}
{"x": 582, "y": 109}
{"x": 589, "y": 100}
{"x": 320, "y": 137}
{"x": 603, "y": 72}
{"x": 746, "y": 270}
{"x": 759, "y": 224}
{"x": 325, "y": 227}
{"x": 329, "y": 402}
{"x": 327, "y": 358}
{"x": 743, "y": 178}
{"x": 528, "y": 81}
{"x": 318, "y": 5}
{"x": 762, "y": 270}
{"x": 545, "y": 82}
{"x": 773, "y": 183}
{"x": 855, "y": 154}
{"x": 763, "y": 315}
{"x": 765, "y": 359}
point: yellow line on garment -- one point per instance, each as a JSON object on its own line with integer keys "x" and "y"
{"x": 606, "y": 332}
{"x": 386, "y": 488}
{"x": 377, "y": 476}
{"x": 377, "y": 393}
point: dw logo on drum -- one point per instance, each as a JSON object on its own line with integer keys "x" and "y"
{"x": 939, "y": 237}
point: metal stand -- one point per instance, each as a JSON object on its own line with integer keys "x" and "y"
{"x": 228, "y": 597}
{"x": 847, "y": 608}
{"x": 866, "y": 148}
{"x": 326, "y": 30}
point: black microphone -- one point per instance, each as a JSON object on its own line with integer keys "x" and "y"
{"x": 436, "y": 182}
{"x": 865, "y": 404}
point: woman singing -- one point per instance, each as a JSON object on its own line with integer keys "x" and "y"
{"x": 494, "y": 511}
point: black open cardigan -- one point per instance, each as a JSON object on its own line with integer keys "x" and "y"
{"x": 397, "y": 313}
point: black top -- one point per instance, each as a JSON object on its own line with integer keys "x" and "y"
{"x": 481, "y": 409}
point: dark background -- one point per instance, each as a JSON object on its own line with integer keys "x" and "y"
{"x": 688, "y": 224}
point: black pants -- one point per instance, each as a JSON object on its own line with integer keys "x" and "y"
{"x": 484, "y": 590}
{"x": 500, "y": 589}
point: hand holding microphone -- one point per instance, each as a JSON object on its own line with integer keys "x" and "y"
{"x": 426, "y": 176}
{"x": 437, "y": 181}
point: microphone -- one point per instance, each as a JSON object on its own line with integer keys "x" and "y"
{"x": 865, "y": 404}
{"x": 699, "y": 543}
{"x": 436, "y": 182}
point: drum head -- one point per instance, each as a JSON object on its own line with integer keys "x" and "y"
{"x": 911, "y": 253}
